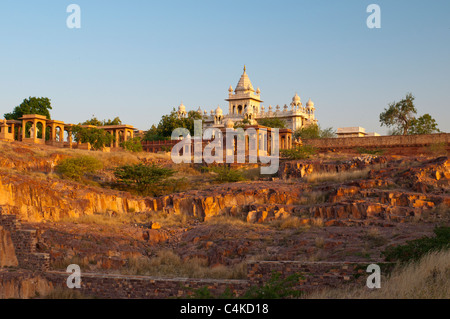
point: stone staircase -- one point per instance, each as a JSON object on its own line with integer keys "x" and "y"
{"x": 24, "y": 242}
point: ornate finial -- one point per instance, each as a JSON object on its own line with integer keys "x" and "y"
{"x": 245, "y": 69}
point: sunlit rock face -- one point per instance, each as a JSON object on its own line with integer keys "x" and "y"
{"x": 7, "y": 253}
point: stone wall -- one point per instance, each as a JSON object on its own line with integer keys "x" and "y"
{"x": 314, "y": 275}
{"x": 145, "y": 287}
{"x": 380, "y": 142}
{"x": 31, "y": 276}
{"x": 24, "y": 242}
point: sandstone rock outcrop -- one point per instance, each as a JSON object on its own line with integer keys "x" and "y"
{"x": 7, "y": 252}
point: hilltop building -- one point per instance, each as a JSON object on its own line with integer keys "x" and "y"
{"x": 245, "y": 103}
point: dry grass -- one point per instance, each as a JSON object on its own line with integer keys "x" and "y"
{"x": 374, "y": 238}
{"x": 427, "y": 279}
{"x": 317, "y": 222}
{"x": 313, "y": 198}
{"x": 107, "y": 219}
{"x": 290, "y": 223}
{"x": 336, "y": 177}
{"x": 228, "y": 220}
{"x": 169, "y": 264}
{"x": 319, "y": 242}
{"x": 66, "y": 293}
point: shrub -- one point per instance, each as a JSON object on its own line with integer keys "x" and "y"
{"x": 426, "y": 279}
{"x": 413, "y": 250}
{"x": 314, "y": 131}
{"x": 362, "y": 150}
{"x": 437, "y": 149}
{"x": 336, "y": 176}
{"x": 272, "y": 122}
{"x": 225, "y": 174}
{"x": 132, "y": 145}
{"x": 141, "y": 177}
{"x": 76, "y": 168}
{"x": 299, "y": 153}
{"x": 276, "y": 288}
{"x": 98, "y": 138}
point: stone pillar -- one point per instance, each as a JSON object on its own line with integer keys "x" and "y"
{"x": 69, "y": 133}
{"x": 116, "y": 135}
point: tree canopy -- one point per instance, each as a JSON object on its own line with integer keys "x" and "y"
{"x": 32, "y": 105}
{"x": 97, "y": 137}
{"x": 169, "y": 123}
{"x": 272, "y": 122}
{"x": 96, "y": 122}
{"x": 314, "y": 131}
{"x": 423, "y": 125}
{"x": 400, "y": 116}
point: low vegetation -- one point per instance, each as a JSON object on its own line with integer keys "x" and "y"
{"x": 336, "y": 176}
{"x": 96, "y": 137}
{"x": 299, "y": 153}
{"x": 133, "y": 145}
{"x": 276, "y": 288}
{"x": 437, "y": 149}
{"x": 428, "y": 278}
{"x": 362, "y": 150}
{"x": 76, "y": 168}
{"x": 313, "y": 132}
{"x": 144, "y": 179}
{"x": 169, "y": 264}
{"x": 416, "y": 249}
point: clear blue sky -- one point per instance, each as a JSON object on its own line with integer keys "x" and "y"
{"x": 138, "y": 59}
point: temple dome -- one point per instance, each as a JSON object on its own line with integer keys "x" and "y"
{"x": 310, "y": 104}
{"x": 296, "y": 98}
{"x": 219, "y": 111}
{"x": 244, "y": 83}
{"x": 182, "y": 108}
{"x": 229, "y": 124}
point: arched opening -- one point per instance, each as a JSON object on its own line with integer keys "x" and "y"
{"x": 58, "y": 136}
{"x": 48, "y": 133}
{"x": 40, "y": 130}
{"x": 29, "y": 130}
{"x": 239, "y": 109}
{"x": 110, "y": 144}
{"x": 66, "y": 136}
{"x": 17, "y": 133}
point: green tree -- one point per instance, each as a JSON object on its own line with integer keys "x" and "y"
{"x": 241, "y": 124}
{"x": 32, "y": 105}
{"x": 400, "y": 115}
{"x": 75, "y": 168}
{"x": 144, "y": 178}
{"x": 314, "y": 131}
{"x": 98, "y": 138}
{"x": 423, "y": 125}
{"x": 96, "y": 122}
{"x": 153, "y": 135}
{"x": 272, "y": 122}
{"x": 170, "y": 122}
{"x": 115, "y": 121}
{"x": 132, "y": 145}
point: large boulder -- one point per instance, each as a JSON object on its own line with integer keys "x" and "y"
{"x": 7, "y": 252}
